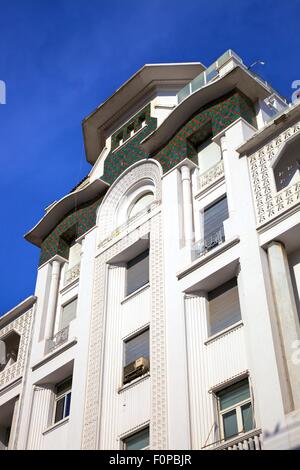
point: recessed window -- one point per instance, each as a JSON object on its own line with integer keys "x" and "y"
{"x": 136, "y": 356}
{"x": 9, "y": 349}
{"x": 287, "y": 169}
{"x": 62, "y": 400}
{"x": 224, "y": 307}
{"x": 140, "y": 204}
{"x": 137, "y": 441}
{"x": 142, "y": 120}
{"x": 214, "y": 217}
{"x": 130, "y": 130}
{"x": 119, "y": 139}
{"x": 137, "y": 272}
{"x": 209, "y": 154}
{"x": 68, "y": 313}
{"x": 235, "y": 409}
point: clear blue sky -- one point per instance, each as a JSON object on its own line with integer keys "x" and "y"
{"x": 61, "y": 58}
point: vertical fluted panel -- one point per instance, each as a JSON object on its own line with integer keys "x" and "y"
{"x": 112, "y": 366}
{"x": 209, "y": 364}
{"x": 201, "y": 410}
{"x": 41, "y": 402}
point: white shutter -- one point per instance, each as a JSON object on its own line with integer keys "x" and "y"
{"x": 224, "y": 309}
{"x": 68, "y": 314}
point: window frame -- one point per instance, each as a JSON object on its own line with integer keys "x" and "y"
{"x": 238, "y": 408}
{"x": 59, "y": 396}
{"x": 67, "y": 302}
{"x": 137, "y": 431}
{"x": 127, "y": 293}
{"x": 126, "y": 340}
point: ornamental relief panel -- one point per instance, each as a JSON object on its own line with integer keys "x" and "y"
{"x": 268, "y": 202}
{"x": 22, "y": 326}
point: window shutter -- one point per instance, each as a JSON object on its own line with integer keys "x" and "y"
{"x": 68, "y": 314}
{"x": 214, "y": 217}
{"x": 224, "y": 307}
{"x": 138, "y": 272}
{"x": 137, "y": 347}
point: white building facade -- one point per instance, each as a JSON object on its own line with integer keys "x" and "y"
{"x": 166, "y": 309}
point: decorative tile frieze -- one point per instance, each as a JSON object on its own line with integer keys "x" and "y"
{"x": 268, "y": 202}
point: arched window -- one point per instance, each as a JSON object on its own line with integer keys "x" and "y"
{"x": 287, "y": 167}
{"x": 141, "y": 203}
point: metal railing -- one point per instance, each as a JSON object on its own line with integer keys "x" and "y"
{"x": 60, "y": 338}
{"x": 208, "y": 243}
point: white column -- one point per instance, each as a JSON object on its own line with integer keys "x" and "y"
{"x": 187, "y": 204}
{"x": 286, "y": 311}
{"x": 227, "y": 171}
{"x": 52, "y": 301}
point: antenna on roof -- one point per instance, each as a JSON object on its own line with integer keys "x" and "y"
{"x": 261, "y": 62}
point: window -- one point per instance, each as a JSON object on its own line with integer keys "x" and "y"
{"x": 235, "y": 409}
{"x": 142, "y": 121}
{"x": 214, "y": 217}
{"x": 62, "y": 400}
{"x": 9, "y": 349}
{"x": 224, "y": 307}
{"x": 140, "y": 204}
{"x": 119, "y": 139}
{"x": 209, "y": 154}
{"x": 130, "y": 130}
{"x": 287, "y": 169}
{"x": 137, "y": 441}
{"x": 136, "y": 360}
{"x": 74, "y": 254}
{"x": 68, "y": 313}
{"x": 137, "y": 274}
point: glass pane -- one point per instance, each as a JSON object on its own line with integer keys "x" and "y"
{"x": 68, "y": 313}
{"x": 59, "y": 412}
{"x": 247, "y": 417}
{"x": 235, "y": 394}
{"x": 137, "y": 347}
{"x": 214, "y": 217}
{"x": 230, "y": 424}
{"x": 141, "y": 204}
{"x": 138, "y": 272}
{"x": 138, "y": 441}
{"x": 68, "y": 404}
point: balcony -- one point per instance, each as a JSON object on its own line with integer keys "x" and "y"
{"x": 58, "y": 340}
{"x": 247, "y": 441}
{"x": 205, "y": 245}
{"x": 211, "y": 176}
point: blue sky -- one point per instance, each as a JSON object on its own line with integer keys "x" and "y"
{"x": 62, "y": 58}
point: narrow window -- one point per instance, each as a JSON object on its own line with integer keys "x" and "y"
{"x": 136, "y": 360}
{"x": 214, "y": 217}
{"x": 235, "y": 409}
{"x": 130, "y": 130}
{"x": 224, "y": 307}
{"x": 119, "y": 139}
{"x": 68, "y": 313}
{"x": 137, "y": 274}
{"x": 140, "y": 204}
{"x": 137, "y": 441}
{"x": 63, "y": 400}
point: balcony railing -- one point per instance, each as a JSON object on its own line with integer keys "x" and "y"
{"x": 72, "y": 274}
{"x": 203, "y": 246}
{"x": 249, "y": 441}
{"x": 210, "y": 176}
{"x": 60, "y": 338}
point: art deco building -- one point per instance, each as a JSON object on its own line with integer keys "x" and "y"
{"x": 166, "y": 308}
